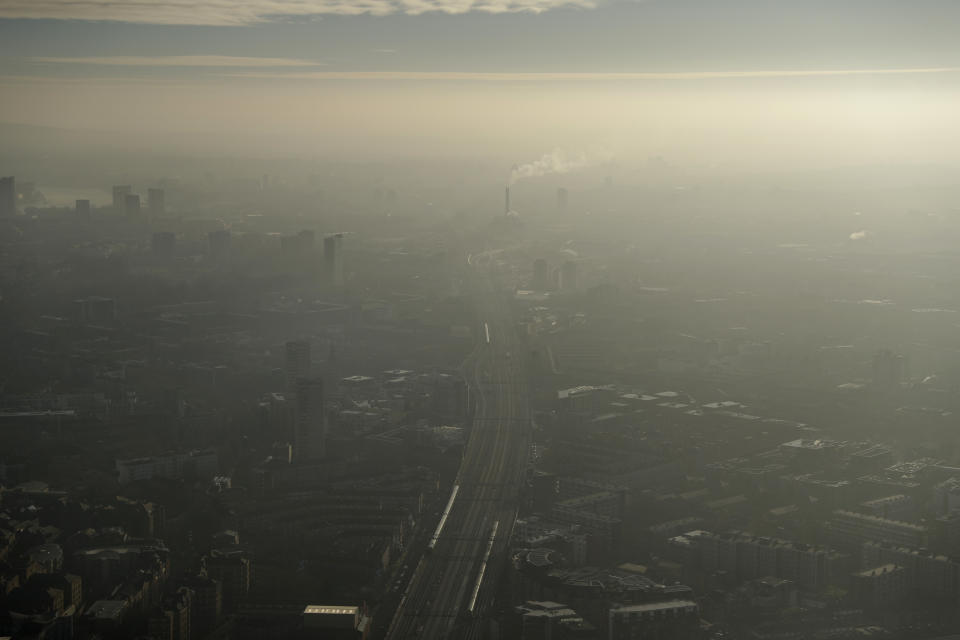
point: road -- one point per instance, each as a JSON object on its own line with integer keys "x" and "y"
{"x": 442, "y": 599}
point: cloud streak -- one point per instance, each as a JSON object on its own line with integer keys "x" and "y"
{"x": 548, "y": 76}
{"x": 247, "y": 12}
{"x": 182, "y": 61}
{"x": 239, "y": 68}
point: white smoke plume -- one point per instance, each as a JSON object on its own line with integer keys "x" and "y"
{"x": 557, "y": 161}
{"x": 858, "y": 235}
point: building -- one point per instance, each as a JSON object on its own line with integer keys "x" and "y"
{"x": 813, "y": 453}
{"x": 541, "y": 275}
{"x": 542, "y": 620}
{"x": 880, "y": 586}
{"x": 179, "y": 608}
{"x": 132, "y": 206}
{"x": 96, "y": 309}
{"x": 743, "y": 557}
{"x": 872, "y": 458}
{"x": 569, "y": 540}
{"x": 604, "y": 503}
{"x": 946, "y": 534}
{"x": 604, "y": 533}
{"x": 48, "y": 557}
{"x": 769, "y": 593}
{"x": 173, "y": 618}
{"x": 232, "y": 568}
{"x": 928, "y": 575}
{"x": 219, "y": 242}
{"x": 333, "y": 258}
{"x": 612, "y": 495}
{"x": 543, "y": 536}
{"x": 155, "y": 202}
{"x": 297, "y": 362}
{"x": 206, "y": 606}
{"x": 27, "y": 194}
{"x": 163, "y": 243}
{"x": 106, "y": 616}
{"x": 200, "y": 464}
{"x": 310, "y": 427}
{"x": 592, "y": 591}
{"x": 278, "y": 414}
{"x": 895, "y": 507}
{"x": 160, "y": 625}
{"x": 946, "y": 496}
{"x": 669, "y": 620}
{"x": 8, "y": 197}
{"x": 83, "y": 209}
{"x": 120, "y": 194}
{"x": 137, "y": 565}
{"x": 335, "y": 621}
{"x": 568, "y": 276}
{"x": 828, "y": 492}
{"x": 70, "y": 585}
{"x": 853, "y": 529}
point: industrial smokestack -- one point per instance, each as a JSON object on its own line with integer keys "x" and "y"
{"x": 507, "y": 210}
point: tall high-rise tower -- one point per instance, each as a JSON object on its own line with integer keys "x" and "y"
{"x": 83, "y": 209}
{"x": 568, "y": 276}
{"x": 219, "y": 242}
{"x": 155, "y": 202}
{"x": 541, "y": 276}
{"x": 120, "y": 193}
{"x": 8, "y": 197}
{"x": 297, "y": 362}
{"x": 310, "y": 428}
{"x": 132, "y": 205}
{"x": 333, "y": 258}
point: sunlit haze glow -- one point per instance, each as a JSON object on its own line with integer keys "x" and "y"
{"x": 751, "y": 84}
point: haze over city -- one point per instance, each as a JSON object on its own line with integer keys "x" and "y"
{"x": 745, "y": 83}
{"x": 479, "y": 319}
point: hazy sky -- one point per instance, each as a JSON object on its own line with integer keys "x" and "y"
{"x": 742, "y": 81}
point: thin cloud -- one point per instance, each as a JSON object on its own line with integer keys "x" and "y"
{"x": 183, "y": 61}
{"x": 246, "y": 12}
{"x": 86, "y": 80}
{"x": 521, "y": 76}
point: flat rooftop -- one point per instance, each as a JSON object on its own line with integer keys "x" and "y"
{"x": 812, "y": 445}
{"x": 330, "y": 610}
{"x": 879, "y": 571}
{"x": 656, "y": 606}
